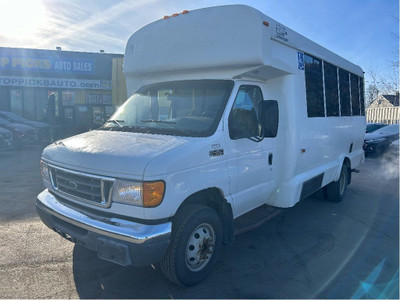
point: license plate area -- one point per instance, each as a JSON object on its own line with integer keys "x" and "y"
{"x": 113, "y": 251}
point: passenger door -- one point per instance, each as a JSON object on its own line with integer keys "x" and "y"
{"x": 250, "y": 157}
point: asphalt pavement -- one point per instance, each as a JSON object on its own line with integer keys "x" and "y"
{"x": 316, "y": 249}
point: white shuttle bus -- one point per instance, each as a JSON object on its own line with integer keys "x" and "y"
{"x": 231, "y": 116}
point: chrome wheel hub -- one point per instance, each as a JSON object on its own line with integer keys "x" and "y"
{"x": 200, "y": 247}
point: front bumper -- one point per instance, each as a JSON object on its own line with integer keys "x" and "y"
{"x": 117, "y": 240}
{"x": 375, "y": 147}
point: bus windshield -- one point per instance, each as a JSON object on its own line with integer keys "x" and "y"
{"x": 182, "y": 108}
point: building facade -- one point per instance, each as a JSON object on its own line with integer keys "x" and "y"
{"x": 75, "y": 90}
{"x": 385, "y": 109}
{"x": 385, "y": 101}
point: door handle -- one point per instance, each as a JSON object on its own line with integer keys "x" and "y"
{"x": 270, "y": 158}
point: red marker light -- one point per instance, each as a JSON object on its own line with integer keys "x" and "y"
{"x": 266, "y": 23}
{"x": 185, "y": 12}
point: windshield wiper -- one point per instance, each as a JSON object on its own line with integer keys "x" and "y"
{"x": 158, "y": 121}
{"x": 116, "y": 122}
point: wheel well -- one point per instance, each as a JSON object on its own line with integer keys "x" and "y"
{"x": 347, "y": 163}
{"x": 213, "y": 198}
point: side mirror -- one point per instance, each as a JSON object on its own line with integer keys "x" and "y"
{"x": 243, "y": 124}
{"x": 269, "y": 117}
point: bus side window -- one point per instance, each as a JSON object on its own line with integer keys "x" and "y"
{"x": 314, "y": 86}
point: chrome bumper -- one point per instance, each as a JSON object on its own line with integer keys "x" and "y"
{"x": 115, "y": 228}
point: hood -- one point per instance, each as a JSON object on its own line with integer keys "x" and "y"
{"x": 3, "y": 130}
{"x": 19, "y": 126}
{"x": 110, "y": 153}
{"x": 378, "y": 135}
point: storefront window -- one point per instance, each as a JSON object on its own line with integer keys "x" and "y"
{"x": 16, "y": 101}
{"x": 109, "y": 110}
{"x": 41, "y": 104}
{"x": 98, "y": 116}
{"x": 29, "y": 104}
{"x": 68, "y": 98}
{"x": 52, "y": 107}
{"x": 69, "y": 114}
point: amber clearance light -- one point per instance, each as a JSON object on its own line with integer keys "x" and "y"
{"x": 176, "y": 14}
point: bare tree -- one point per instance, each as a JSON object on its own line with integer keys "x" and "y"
{"x": 388, "y": 85}
{"x": 372, "y": 93}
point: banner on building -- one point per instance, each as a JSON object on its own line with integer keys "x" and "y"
{"x": 50, "y": 64}
{"x": 59, "y": 83}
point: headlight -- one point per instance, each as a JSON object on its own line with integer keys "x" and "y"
{"x": 375, "y": 141}
{"x": 129, "y": 192}
{"x": 44, "y": 171}
{"x": 145, "y": 194}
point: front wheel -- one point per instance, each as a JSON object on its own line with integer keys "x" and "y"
{"x": 336, "y": 190}
{"x": 195, "y": 245}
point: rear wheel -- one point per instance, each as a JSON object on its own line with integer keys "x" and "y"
{"x": 336, "y": 190}
{"x": 195, "y": 245}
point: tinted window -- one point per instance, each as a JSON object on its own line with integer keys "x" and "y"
{"x": 314, "y": 91}
{"x": 331, "y": 90}
{"x": 344, "y": 92}
{"x": 362, "y": 96}
{"x": 243, "y": 119}
{"x": 355, "y": 99}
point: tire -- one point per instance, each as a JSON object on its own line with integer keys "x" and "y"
{"x": 195, "y": 245}
{"x": 336, "y": 190}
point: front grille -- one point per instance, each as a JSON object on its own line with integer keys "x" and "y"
{"x": 81, "y": 186}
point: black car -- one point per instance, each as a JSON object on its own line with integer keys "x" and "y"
{"x": 42, "y": 129}
{"x": 380, "y": 140}
{"x": 371, "y": 127}
{"x": 22, "y": 134}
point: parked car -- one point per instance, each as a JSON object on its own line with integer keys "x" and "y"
{"x": 5, "y": 138}
{"x": 371, "y": 127}
{"x": 394, "y": 147}
{"x": 42, "y": 129}
{"x": 22, "y": 134}
{"x": 379, "y": 140}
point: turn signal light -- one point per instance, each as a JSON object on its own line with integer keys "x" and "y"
{"x": 153, "y": 193}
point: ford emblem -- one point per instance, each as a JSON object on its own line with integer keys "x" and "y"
{"x": 72, "y": 185}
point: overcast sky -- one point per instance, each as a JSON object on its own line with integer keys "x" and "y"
{"x": 362, "y": 31}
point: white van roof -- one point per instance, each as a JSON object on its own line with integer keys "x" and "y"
{"x": 228, "y": 40}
